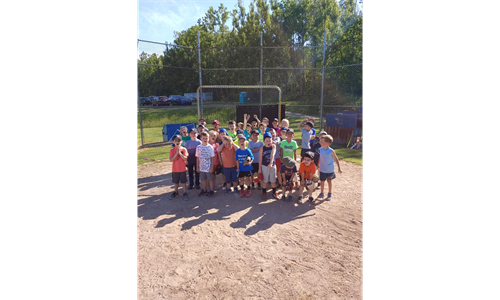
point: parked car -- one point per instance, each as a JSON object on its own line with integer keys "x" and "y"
{"x": 145, "y": 101}
{"x": 163, "y": 101}
{"x": 179, "y": 100}
{"x": 154, "y": 100}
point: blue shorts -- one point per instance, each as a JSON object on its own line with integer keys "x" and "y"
{"x": 230, "y": 174}
{"x": 325, "y": 176}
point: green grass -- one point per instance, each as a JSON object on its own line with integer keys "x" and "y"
{"x": 355, "y": 156}
{"x": 155, "y": 118}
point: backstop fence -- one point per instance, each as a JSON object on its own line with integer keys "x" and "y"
{"x": 314, "y": 80}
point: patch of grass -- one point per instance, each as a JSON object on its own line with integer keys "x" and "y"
{"x": 355, "y": 156}
{"x": 159, "y": 116}
{"x": 151, "y": 135}
{"x": 159, "y": 153}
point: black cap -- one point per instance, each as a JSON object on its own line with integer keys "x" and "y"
{"x": 309, "y": 154}
{"x": 239, "y": 131}
{"x": 276, "y": 119}
{"x": 309, "y": 123}
{"x": 290, "y": 130}
{"x": 177, "y": 137}
{"x": 255, "y": 131}
{"x": 193, "y": 129}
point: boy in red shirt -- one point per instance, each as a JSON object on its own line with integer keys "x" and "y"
{"x": 306, "y": 171}
{"x": 178, "y": 157}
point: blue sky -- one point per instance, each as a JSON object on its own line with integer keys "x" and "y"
{"x": 158, "y": 19}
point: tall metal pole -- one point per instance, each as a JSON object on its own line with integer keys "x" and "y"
{"x": 261, "y": 62}
{"x": 322, "y": 83}
{"x": 139, "y": 103}
{"x": 200, "y": 99}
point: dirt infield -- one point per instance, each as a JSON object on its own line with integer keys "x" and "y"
{"x": 229, "y": 247}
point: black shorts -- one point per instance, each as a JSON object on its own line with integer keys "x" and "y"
{"x": 325, "y": 176}
{"x": 242, "y": 174}
{"x": 179, "y": 176}
{"x": 255, "y": 167}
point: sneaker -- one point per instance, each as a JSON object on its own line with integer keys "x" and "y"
{"x": 242, "y": 193}
{"x": 311, "y": 199}
{"x": 275, "y": 195}
{"x": 224, "y": 188}
{"x": 203, "y": 192}
{"x": 228, "y": 191}
{"x": 320, "y": 196}
{"x": 329, "y": 197}
{"x": 190, "y": 187}
{"x": 211, "y": 194}
{"x": 300, "y": 199}
{"x": 248, "y": 193}
{"x": 174, "y": 194}
{"x": 185, "y": 196}
{"x": 263, "y": 195}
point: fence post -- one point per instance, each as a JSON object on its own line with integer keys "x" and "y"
{"x": 139, "y": 102}
{"x": 322, "y": 83}
{"x": 200, "y": 100}
{"x": 261, "y": 61}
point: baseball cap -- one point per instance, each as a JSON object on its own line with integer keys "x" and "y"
{"x": 175, "y": 137}
{"x": 309, "y": 154}
{"x": 193, "y": 129}
{"x": 239, "y": 131}
{"x": 222, "y": 130}
{"x": 309, "y": 123}
{"x": 242, "y": 137}
{"x": 288, "y": 162}
{"x": 255, "y": 131}
{"x": 322, "y": 132}
{"x": 267, "y": 134}
{"x": 290, "y": 130}
{"x": 276, "y": 119}
{"x": 216, "y": 122}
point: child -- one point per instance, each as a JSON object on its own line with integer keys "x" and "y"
{"x": 228, "y": 152}
{"x": 247, "y": 126}
{"x": 262, "y": 129}
{"x": 178, "y": 157}
{"x": 240, "y": 126}
{"x": 212, "y": 140}
{"x": 202, "y": 121}
{"x": 265, "y": 121}
{"x": 191, "y": 162}
{"x": 277, "y": 158}
{"x": 306, "y": 171}
{"x": 255, "y": 122}
{"x": 255, "y": 145}
{"x": 276, "y": 127}
{"x": 313, "y": 135}
{"x": 232, "y": 129}
{"x": 267, "y": 166}
{"x": 216, "y": 125}
{"x": 306, "y": 136}
{"x": 285, "y": 123}
{"x": 244, "y": 166}
{"x": 327, "y": 157}
{"x": 184, "y": 135}
{"x": 315, "y": 148}
{"x": 289, "y": 148}
{"x": 222, "y": 134}
{"x": 288, "y": 170}
{"x": 205, "y": 157}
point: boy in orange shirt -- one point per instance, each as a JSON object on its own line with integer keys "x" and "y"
{"x": 306, "y": 171}
{"x": 178, "y": 157}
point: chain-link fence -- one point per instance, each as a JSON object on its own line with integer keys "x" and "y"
{"x": 314, "y": 80}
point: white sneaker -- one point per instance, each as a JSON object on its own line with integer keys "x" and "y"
{"x": 224, "y": 188}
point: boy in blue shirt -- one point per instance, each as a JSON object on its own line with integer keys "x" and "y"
{"x": 327, "y": 157}
{"x": 244, "y": 166}
{"x": 306, "y": 136}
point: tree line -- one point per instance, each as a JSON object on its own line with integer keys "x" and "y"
{"x": 295, "y": 31}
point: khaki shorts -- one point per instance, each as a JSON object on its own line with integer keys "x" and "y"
{"x": 269, "y": 174}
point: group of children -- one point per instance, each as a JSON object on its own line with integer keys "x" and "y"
{"x": 253, "y": 155}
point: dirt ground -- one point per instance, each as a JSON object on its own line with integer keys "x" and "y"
{"x": 229, "y": 247}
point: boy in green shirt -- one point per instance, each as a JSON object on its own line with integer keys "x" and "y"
{"x": 288, "y": 147}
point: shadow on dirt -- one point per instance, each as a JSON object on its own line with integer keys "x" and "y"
{"x": 268, "y": 212}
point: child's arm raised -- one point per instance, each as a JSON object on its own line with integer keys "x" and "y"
{"x": 172, "y": 158}
{"x": 184, "y": 157}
